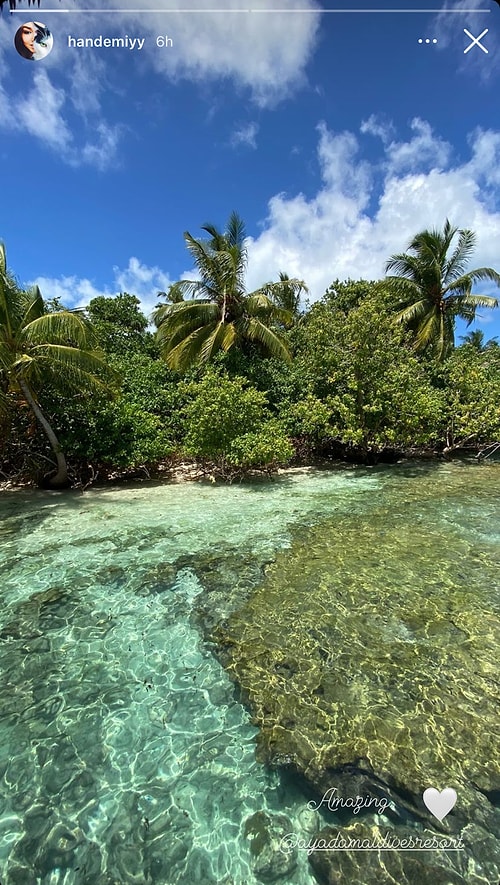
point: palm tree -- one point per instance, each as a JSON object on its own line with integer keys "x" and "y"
{"x": 434, "y": 288}
{"x": 38, "y": 348}
{"x": 174, "y": 294}
{"x": 476, "y": 339}
{"x": 288, "y": 296}
{"x": 220, "y": 314}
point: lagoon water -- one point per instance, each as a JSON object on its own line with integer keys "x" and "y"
{"x": 125, "y": 755}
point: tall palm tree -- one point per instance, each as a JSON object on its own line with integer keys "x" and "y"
{"x": 219, "y": 313}
{"x": 434, "y": 287}
{"x": 36, "y": 348}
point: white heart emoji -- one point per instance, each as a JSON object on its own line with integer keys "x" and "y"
{"x": 439, "y": 803}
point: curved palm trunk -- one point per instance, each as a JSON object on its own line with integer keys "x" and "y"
{"x": 60, "y": 480}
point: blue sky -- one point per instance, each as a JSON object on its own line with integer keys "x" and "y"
{"x": 335, "y": 136}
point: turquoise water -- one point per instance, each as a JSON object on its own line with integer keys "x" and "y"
{"x": 125, "y": 756}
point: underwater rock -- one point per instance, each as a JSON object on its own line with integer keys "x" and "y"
{"x": 228, "y": 578}
{"x": 58, "y": 850}
{"x": 266, "y": 832}
{"x": 29, "y": 613}
{"x": 158, "y": 579}
{"x": 309, "y": 820}
{"x": 369, "y": 667}
{"x": 20, "y": 875}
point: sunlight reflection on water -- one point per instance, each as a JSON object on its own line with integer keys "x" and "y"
{"x": 124, "y": 754}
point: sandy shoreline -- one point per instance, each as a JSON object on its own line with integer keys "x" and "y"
{"x": 184, "y": 472}
{"x": 189, "y": 471}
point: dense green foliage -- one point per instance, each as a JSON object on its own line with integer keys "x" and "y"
{"x": 353, "y": 384}
{"x": 229, "y": 421}
{"x": 375, "y": 391}
{"x": 472, "y": 380}
{"x": 120, "y": 326}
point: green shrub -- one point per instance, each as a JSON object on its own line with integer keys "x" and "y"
{"x": 266, "y": 447}
{"x": 221, "y": 410}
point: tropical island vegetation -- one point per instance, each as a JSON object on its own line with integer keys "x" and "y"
{"x": 237, "y": 380}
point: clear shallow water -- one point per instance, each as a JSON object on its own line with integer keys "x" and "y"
{"x": 125, "y": 757}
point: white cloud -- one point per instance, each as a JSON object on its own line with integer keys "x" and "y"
{"x": 485, "y": 162}
{"x": 247, "y": 48}
{"x": 379, "y": 127}
{"x": 102, "y": 152}
{"x": 332, "y": 235}
{"x": 423, "y": 150}
{"x": 88, "y": 80}
{"x": 264, "y": 51}
{"x": 246, "y": 134}
{"x": 40, "y": 113}
{"x": 137, "y": 279}
{"x": 362, "y": 214}
{"x": 72, "y": 292}
{"x": 143, "y": 281}
{"x": 45, "y": 111}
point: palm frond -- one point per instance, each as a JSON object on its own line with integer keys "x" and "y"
{"x": 194, "y": 330}
{"x": 175, "y": 292}
{"x": 259, "y": 305}
{"x": 473, "y": 301}
{"x": 185, "y": 312}
{"x": 187, "y": 352}
{"x": 413, "y": 313}
{"x": 181, "y": 331}
{"x": 217, "y": 239}
{"x": 443, "y": 283}
{"x": 457, "y": 263}
{"x": 34, "y": 306}
{"x": 463, "y": 284}
{"x": 176, "y": 295}
{"x": 285, "y": 293}
{"x": 260, "y": 300}
{"x": 404, "y": 265}
{"x": 235, "y": 230}
{"x": 254, "y": 330}
{"x": 406, "y": 290}
{"x": 5, "y": 355}
{"x": 62, "y": 327}
{"x": 460, "y": 307}
{"x": 5, "y": 404}
{"x": 69, "y": 357}
{"x": 222, "y": 338}
{"x": 480, "y": 301}
{"x": 430, "y": 330}
{"x": 227, "y": 275}
{"x": 202, "y": 256}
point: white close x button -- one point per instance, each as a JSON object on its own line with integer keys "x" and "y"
{"x": 476, "y": 40}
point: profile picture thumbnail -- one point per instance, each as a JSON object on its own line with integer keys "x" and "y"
{"x": 33, "y": 40}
